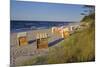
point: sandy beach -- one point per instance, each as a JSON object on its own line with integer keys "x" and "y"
{"x": 19, "y": 54}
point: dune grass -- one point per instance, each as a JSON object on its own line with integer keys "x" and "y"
{"x": 80, "y": 47}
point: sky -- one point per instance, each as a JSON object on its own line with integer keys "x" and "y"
{"x": 39, "y": 11}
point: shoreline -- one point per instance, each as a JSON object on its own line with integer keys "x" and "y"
{"x": 28, "y": 30}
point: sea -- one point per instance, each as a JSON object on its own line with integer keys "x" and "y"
{"x": 19, "y": 26}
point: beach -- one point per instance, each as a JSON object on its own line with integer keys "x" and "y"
{"x": 20, "y": 54}
{"x": 56, "y": 46}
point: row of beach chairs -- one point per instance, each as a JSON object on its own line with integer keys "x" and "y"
{"x": 41, "y": 39}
